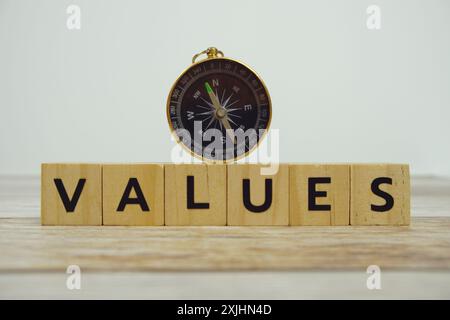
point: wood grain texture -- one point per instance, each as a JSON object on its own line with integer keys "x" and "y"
{"x": 34, "y": 259}
{"x": 27, "y": 246}
{"x": 337, "y": 195}
{"x": 88, "y": 210}
{"x": 150, "y": 179}
{"x": 210, "y": 187}
{"x": 362, "y": 197}
{"x": 278, "y": 212}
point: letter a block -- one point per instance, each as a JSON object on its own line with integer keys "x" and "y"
{"x": 71, "y": 194}
{"x": 319, "y": 195}
{"x": 380, "y": 194}
{"x": 133, "y": 195}
{"x": 255, "y": 199}
{"x": 196, "y": 195}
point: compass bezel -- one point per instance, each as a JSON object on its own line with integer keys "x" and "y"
{"x": 192, "y": 152}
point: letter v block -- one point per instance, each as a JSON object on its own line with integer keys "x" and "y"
{"x": 319, "y": 195}
{"x": 71, "y": 194}
{"x": 380, "y": 194}
{"x": 196, "y": 194}
{"x": 255, "y": 199}
{"x": 133, "y": 194}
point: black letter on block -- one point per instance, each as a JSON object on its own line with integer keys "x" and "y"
{"x": 191, "y": 204}
{"x": 140, "y": 200}
{"x": 313, "y": 194}
{"x": 382, "y": 194}
{"x": 69, "y": 204}
{"x": 246, "y": 195}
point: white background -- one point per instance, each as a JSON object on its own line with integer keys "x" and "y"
{"x": 340, "y": 92}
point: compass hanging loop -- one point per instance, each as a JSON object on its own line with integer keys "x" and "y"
{"x": 211, "y": 52}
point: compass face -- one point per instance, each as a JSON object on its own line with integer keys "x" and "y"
{"x": 219, "y": 109}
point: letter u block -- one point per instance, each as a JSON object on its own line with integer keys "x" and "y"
{"x": 71, "y": 194}
{"x": 133, "y": 194}
{"x": 380, "y": 194}
{"x": 255, "y": 199}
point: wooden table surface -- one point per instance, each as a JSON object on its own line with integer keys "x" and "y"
{"x": 224, "y": 262}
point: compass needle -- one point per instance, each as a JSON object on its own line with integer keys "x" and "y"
{"x": 212, "y": 96}
{"x": 228, "y": 129}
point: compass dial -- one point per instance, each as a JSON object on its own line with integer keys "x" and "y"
{"x": 223, "y": 105}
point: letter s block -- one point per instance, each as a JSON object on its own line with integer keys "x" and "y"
{"x": 133, "y": 194}
{"x": 380, "y": 194}
{"x": 71, "y": 194}
{"x": 255, "y": 199}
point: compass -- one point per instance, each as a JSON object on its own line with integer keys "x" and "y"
{"x": 218, "y": 108}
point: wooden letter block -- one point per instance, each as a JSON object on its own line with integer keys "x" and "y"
{"x": 255, "y": 199}
{"x": 133, "y": 194}
{"x": 380, "y": 194}
{"x": 319, "y": 195}
{"x": 195, "y": 195}
{"x": 71, "y": 194}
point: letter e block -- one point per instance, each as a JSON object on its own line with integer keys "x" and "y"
{"x": 380, "y": 194}
{"x": 319, "y": 195}
{"x": 71, "y": 194}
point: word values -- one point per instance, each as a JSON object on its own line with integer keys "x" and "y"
{"x": 220, "y": 194}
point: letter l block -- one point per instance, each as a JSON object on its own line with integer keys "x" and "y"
{"x": 195, "y": 194}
